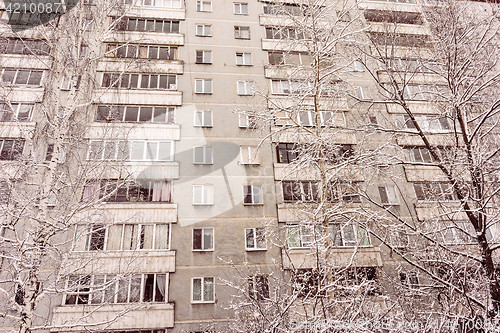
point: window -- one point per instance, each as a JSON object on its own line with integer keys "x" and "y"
{"x": 65, "y": 83}
{"x": 362, "y": 93}
{"x": 155, "y": 3}
{"x": 80, "y": 288}
{"x": 23, "y": 46}
{"x": 348, "y": 234}
{"x": 203, "y": 6}
{"x": 100, "y": 289}
{"x": 147, "y": 25}
{"x": 409, "y": 65}
{"x": 347, "y": 192}
{"x": 287, "y": 87}
{"x": 462, "y": 232}
{"x": 141, "y": 51}
{"x": 255, "y": 239}
{"x": 133, "y": 237}
{"x": 249, "y": 155}
{"x": 96, "y": 237}
{"x": 388, "y": 195}
{"x": 135, "y": 113}
{"x": 203, "y": 194}
{"x": 419, "y": 154}
{"x": 203, "y": 86}
{"x": 434, "y": 191}
{"x": 117, "y": 150}
{"x": 203, "y": 290}
{"x": 11, "y": 149}
{"x": 284, "y": 33}
{"x": 427, "y": 123}
{"x": 203, "y": 57}
{"x": 344, "y": 16}
{"x": 243, "y": 59}
{"x": 403, "y": 17}
{"x": 241, "y": 32}
{"x": 22, "y": 77}
{"x": 307, "y": 282}
{"x": 252, "y": 195}
{"x": 300, "y": 235}
{"x": 305, "y": 191}
{"x": 117, "y": 190}
{"x": 139, "y": 81}
{"x": 364, "y": 277}
{"x": 15, "y": 111}
{"x": 307, "y": 118}
{"x": 409, "y": 280}
{"x": 203, "y": 119}
{"x": 245, "y": 88}
{"x": 240, "y": 8}
{"x": 289, "y": 58}
{"x": 284, "y": 9}
{"x": 357, "y": 66}
{"x": 258, "y": 287}
{"x": 202, "y": 155}
{"x": 287, "y": 152}
{"x": 204, "y": 30}
{"x": 4, "y": 196}
{"x": 399, "y": 39}
{"x": 203, "y": 239}
{"x": 247, "y": 121}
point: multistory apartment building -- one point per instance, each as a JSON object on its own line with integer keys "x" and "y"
{"x": 263, "y": 136}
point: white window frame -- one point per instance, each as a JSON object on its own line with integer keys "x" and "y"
{"x": 204, "y": 6}
{"x": 245, "y": 88}
{"x": 206, "y": 154}
{"x": 357, "y": 231}
{"x": 357, "y": 66}
{"x": 255, "y": 246}
{"x": 204, "y": 88}
{"x": 240, "y": 8}
{"x": 392, "y": 196}
{"x": 255, "y": 194}
{"x": 203, "y": 118}
{"x": 202, "y": 290}
{"x": 305, "y": 233}
{"x": 204, "y": 30}
{"x": 65, "y": 83}
{"x": 206, "y": 193}
{"x": 243, "y": 59}
{"x": 238, "y": 32}
{"x": 362, "y": 93}
{"x": 249, "y": 155}
{"x": 203, "y": 249}
{"x": 206, "y": 57}
{"x": 247, "y": 121}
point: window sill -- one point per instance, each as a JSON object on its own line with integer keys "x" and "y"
{"x": 202, "y": 302}
{"x": 203, "y": 93}
{"x": 255, "y": 250}
{"x": 203, "y": 63}
{"x": 210, "y": 250}
{"x": 203, "y": 204}
{"x": 253, "y": 204}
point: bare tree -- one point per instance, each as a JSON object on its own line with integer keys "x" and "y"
{"x": 52, "y": 183}
{"x": 426, "y": 152}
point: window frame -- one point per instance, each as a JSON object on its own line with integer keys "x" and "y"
{"x": 240, "y": 32}
{"x": 245, "y": 88}
{"x": 249, "y": 155}
{"x": 254, "y": 192}
{"x": 391, "y": 196}
{"x": 255, "y": 239}
{"x": 204, "y": 6}
{"x": 207, "y": 151}
{"x": 204, "y": 194}
{"x": 244, "y": 59}
{"x": 203, "y": 57}
{"x": 202, "y": 243}
{"x": 203, "y": 83}
{"x": 202, "y": 290}
{"x": 240, "y": 8}
{"x": 206, "y": 121}
{"x": 203, "y": 30}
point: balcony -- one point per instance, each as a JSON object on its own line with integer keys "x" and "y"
{"x": 151, "y": 37}
{"x": 139, "y": 97}
{"x": 141, "y": 65}
{"x": 115, "y": 316}
{"x": 419, "y": 173}
{"x": 119, "y": 262}
{"x": 339, "y": 257}
{"x": 389, "y": 6}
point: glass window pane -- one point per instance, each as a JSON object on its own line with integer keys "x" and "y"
{"x": 249, "y": 238}
{"x": 146, "y": 237}
{"x": 151, "y": 151}
{"x": 123, "y": 286}
{"x": 208, "y": 290}
{"x": 137, "y": 150}
{"x": 208, "y": 239}
{"x": 165, "y": 153}
{"x": 196, "y": 289}
{"x": 161, "y": 236}
{"x": 135, "y": 288}
{"x": 131, "y": 113}
{"x": 160, "y": 115}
